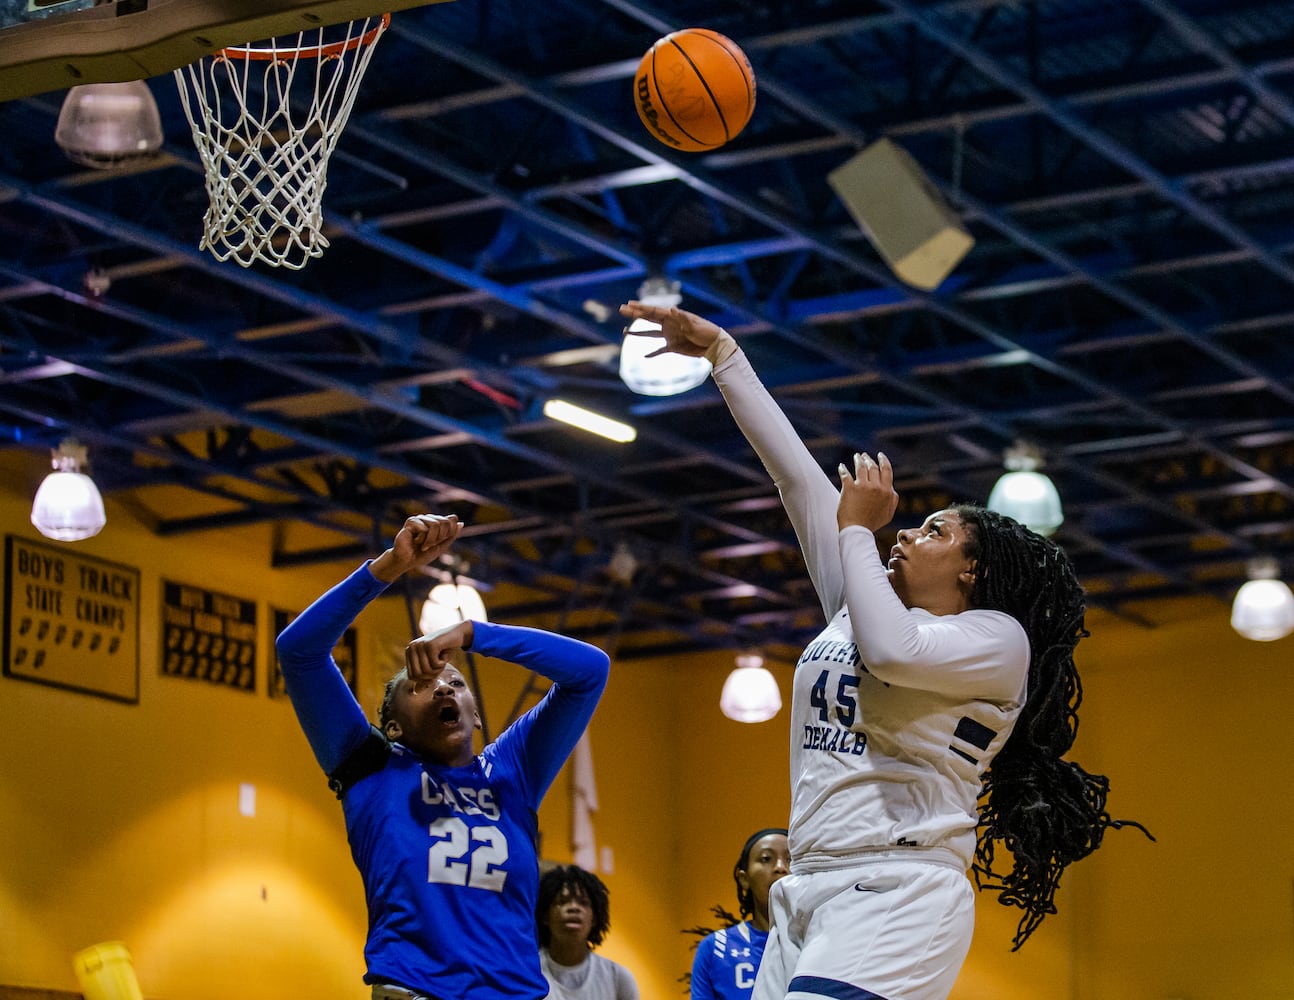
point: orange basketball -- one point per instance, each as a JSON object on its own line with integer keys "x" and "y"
{"x": 694, "y": 89}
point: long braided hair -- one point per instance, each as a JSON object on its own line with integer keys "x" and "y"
{"x": 1048, "y": 812}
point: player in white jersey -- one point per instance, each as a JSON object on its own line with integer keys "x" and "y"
{"x": 954, "y": 655}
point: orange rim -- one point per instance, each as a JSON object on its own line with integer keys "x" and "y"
{"x": 330, "y": 51}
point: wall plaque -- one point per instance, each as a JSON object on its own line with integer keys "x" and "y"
{"x": 208, "y": 636}
{"x": 71, "y": 620}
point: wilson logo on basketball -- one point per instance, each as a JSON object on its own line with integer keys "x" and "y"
{"x": 647, "y": 112}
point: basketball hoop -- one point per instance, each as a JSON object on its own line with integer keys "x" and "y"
{"x": 265, "y": 139}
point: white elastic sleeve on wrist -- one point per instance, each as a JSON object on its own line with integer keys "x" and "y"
{"x": 721, "y": 350}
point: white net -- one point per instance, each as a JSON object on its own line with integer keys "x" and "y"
{"x": 265, "y": 121}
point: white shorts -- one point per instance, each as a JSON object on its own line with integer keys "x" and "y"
{"x": 881, "y": 930}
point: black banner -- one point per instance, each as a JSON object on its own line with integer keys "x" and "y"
{"x": 208, "y": 636}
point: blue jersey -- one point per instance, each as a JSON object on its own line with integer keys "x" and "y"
{"x": 447, "y": 854}
{"x": 726, "y": 962}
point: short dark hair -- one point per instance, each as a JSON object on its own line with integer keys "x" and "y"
{"x": 388, "y": 697}
{"x": 580, "y": 883}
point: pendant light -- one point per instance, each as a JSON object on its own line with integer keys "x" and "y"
{"x": 1264, "y": 607}
{"x": 450, "y": 603}
{"x": 665, "y": 374}
{"x": 750, "y": 694}
{"x": 102, "y": 125}
{"x": 68, "y": 506}
{"x": 1026, "y": 494}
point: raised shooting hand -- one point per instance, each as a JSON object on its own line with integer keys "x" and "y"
{"x": 867, "y": 497}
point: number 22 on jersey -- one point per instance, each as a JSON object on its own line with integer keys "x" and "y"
{"x": 465, "y": 855}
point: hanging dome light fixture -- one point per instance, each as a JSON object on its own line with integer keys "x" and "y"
{"x": 450, "y": 603}
{"x": 102, "y": 125}
{"x": 1026, "y": 494}
{"x": 750, "y": 694}
{"x": 1263, "y": 609}
{"x": 666, "y": 374}
{"x": 67, "y": 506}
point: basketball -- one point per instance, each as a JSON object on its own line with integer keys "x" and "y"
{"x": 694, "y": 90}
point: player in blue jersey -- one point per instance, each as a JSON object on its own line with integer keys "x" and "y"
{"x": 727, "y": 959}
{"x": 444, "y": 837}
{"x": 929, "y": 719}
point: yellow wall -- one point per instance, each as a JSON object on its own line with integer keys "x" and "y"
{"x": 1192, "y": 723}
{"x": 121, "y": 821}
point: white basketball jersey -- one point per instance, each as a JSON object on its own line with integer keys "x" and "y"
{"x": 876, "y": 765}
{"x": 889, "y": 755}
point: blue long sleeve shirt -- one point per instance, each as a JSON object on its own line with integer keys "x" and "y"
{"x": 448, "y": 855}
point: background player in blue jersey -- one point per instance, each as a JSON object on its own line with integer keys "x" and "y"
{"x": 573, "y": 915}
{"x": 944, "y": 674}
{"x": 444, "y": 837}
{"x": 727, "y": 959}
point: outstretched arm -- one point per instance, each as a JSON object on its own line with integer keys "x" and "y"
{"x": 544, "y": 737}
{"x": 332, "y": 719}
{"x": 807, "y": 492}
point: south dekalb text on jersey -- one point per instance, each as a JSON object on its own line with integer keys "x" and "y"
{"x": 833, "y": 739}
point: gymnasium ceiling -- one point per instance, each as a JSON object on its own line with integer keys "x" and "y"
{"x": 1125, "y": 167}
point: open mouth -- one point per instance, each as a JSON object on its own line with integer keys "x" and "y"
{"x": 449, "y": 714}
